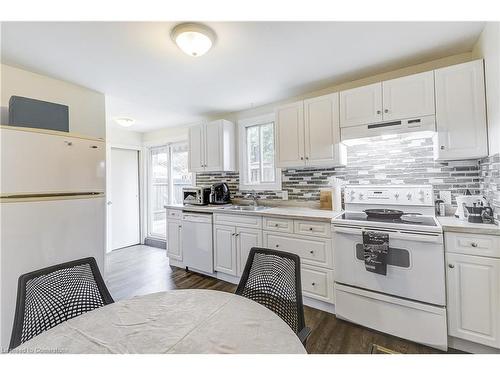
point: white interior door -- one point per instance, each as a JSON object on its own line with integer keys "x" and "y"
{"x": 124, "y": 207}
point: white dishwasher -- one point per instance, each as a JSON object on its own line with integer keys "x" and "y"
{"x": 197, "y": 245}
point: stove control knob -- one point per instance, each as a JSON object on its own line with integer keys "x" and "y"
{"x": 396, "y": 195}
{"x": 408, "y": 196}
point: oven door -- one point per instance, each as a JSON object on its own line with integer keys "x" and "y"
{"x": 415, "y": 264}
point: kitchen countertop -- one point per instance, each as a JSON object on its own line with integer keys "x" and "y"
{"x": 453, "y": 224}
{"x": 283, "y": 212}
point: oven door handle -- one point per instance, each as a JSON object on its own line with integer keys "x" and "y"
{"x": 418, "y": 237}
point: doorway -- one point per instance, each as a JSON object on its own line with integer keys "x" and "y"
{"x": 124, "y": 203}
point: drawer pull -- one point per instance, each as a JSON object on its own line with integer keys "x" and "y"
{"x": 276, "y": 225}
{"x": 310, "y": 229}
{"x": 277, "y": 245}
{"x": 313, "y": 284}
{"x": 473, "y": 244}
{"x": 312, "y": 251}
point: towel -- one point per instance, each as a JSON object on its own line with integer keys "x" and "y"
{"x": 376, "y": 247}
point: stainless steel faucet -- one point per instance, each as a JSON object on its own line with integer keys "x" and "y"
{"x": 254, "y": 197}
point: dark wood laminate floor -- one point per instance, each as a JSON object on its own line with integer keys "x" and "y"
{"x": 141, "y": 270}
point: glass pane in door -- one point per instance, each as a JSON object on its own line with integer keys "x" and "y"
{"x": 180, "y": 175}
{"x": 158, "y": 191}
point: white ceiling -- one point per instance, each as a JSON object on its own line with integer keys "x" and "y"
{"x": 145, "y": 76}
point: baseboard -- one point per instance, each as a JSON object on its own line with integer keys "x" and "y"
{"x": 320, "y": 305}
{"x": 228, "y": 278}
{"x": 470, "y": 347}
{"x": 154, "y": 242}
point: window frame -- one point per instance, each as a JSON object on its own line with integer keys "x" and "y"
{"x": 243, "y": 162}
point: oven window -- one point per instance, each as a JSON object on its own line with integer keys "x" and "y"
{"x": 395, "y": 256}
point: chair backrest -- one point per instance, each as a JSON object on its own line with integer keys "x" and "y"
{"x": 272, "y": 278}
{"x": 55, "y": 294}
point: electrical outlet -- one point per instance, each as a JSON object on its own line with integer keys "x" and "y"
{"x": 445, "y": 196}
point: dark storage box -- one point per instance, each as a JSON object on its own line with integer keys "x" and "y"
{"x": 32, "y": 113}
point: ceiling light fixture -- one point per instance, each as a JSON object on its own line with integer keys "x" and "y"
{"x": 124, "y": 121}
{"x": 193, "y": 39}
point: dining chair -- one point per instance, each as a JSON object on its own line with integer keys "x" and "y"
{"x": 272, "y": 278}
{"x": 52, "y": 295}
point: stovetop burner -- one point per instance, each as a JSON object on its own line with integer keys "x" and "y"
{"x": 412, "y": 219}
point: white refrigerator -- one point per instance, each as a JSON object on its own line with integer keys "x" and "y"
{"x": 52, "y": 206}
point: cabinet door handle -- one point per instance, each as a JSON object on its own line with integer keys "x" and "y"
{"x": 180, "y": 226}
{"x": 311, "y": 228}
{"x": 379, "y": 112}
{"x": 312, "y": 251}
{"x": 277, "y": 245}
{"x": 386, "y": 110}
{"x": 301, "y": 158}
{"x": 473, "y": 244}
{"x": 451, "y": 265}
{"x": 442, "y": 147}
{"x": 307, "y": 157}
{"x": 68, "y": 143}
{"x": 313, "y": 284}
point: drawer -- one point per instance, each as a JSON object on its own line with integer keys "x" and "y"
{"x": 278, "y": 225}
{"x": 472, "y": 244}
{"x": 248, "y": 221}
{"x": 317, "y": 283}
{"x": 174, "y": 214}
{"x": 312, "y": 228}
{"x": 311, "y": 250}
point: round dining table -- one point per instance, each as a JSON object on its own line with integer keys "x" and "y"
{"x": 180, "y": 321}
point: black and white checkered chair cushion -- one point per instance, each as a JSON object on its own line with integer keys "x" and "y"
{"x": 53, "y": 295}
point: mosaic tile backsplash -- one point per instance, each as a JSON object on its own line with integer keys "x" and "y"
{"x": 490, "y": 182}
{"x": 398, "y": 159}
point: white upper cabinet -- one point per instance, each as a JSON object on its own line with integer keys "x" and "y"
{"x": 196, "y": 149}
{"x": 212, "y": 147}
{"x": 361, "y": 105}
{"x": 461, "y": 112}
{"x": 308, "y": 133}
{"x": 410, "y": 96}
{"x": 290, "y": 135}
{"x": 322, "y": 131}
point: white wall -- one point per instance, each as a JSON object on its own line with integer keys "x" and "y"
{"x": 86, "y": 107}
{"x": 488, "y": 47}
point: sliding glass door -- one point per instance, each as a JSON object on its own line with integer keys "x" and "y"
{"x": 167, "y": 174}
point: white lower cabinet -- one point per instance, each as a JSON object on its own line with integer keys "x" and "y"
{"x": 232, "y": 246}
{"x": 317, "y": 283}
{"x": 174, "y": 236}
{"x": 246, "y": 239}
{"x": 225, "y": 249}
{"x": 473, "y": 286}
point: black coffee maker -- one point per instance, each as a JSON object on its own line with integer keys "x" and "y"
{"x": 219, "y": 194}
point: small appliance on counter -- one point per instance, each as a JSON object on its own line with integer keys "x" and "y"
{"x": 220, "y": 194}
{"x": 478, "y": 213}
{"x": 196, "y": 195}
{"x": 469, "y": 201}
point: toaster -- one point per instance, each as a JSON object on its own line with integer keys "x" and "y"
{"x": 197, "y": 195}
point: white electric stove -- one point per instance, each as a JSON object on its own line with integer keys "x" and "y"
{"x": 409, "y": 301}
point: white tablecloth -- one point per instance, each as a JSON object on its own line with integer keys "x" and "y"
{"x": 180, "y": 321}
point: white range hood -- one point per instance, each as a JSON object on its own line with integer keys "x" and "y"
{"x": 416, "y": 124}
